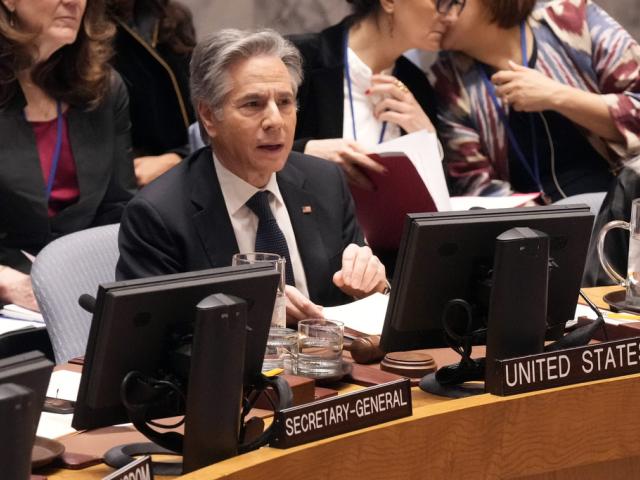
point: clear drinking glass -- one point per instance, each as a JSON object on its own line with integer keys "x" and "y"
{"x": 279, "y": 316}
{"x": 282, "y": 350}
{"x": 320, "y": 347}
{"x": 632, "y": 280}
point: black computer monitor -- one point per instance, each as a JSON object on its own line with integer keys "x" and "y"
{"x": 24, "y": 379}
{"x": 138, "y": 326}
{"x": 31, "y": 370}
{"x": 449, "y": 255}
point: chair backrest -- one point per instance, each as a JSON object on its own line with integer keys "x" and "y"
{"x": 65, "y": 269}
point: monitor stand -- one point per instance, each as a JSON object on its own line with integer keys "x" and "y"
{"x": 213, "y": 400}
{"x": 453, "y": 380}
{"x": 463, "y": 379}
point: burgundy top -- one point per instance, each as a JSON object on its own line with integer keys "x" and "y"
{"x": 65, "y": 186}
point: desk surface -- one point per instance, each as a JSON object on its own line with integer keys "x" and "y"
{"x": 585, "y": 431}
{"x": 581, "y": 431}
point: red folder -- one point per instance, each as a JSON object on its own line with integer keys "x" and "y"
{"x": 399, "y": 191}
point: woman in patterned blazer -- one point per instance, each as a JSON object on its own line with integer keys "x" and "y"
{"x": 539, "y": 98}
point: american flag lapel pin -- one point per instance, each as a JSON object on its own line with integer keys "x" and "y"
{"x": 306, "y": 209}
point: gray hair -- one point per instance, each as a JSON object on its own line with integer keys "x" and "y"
{"x": 214, "y": 55}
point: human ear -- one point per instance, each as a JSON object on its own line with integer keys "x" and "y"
{"x": 208, "y": 119}
{"x": 388, "y": 6}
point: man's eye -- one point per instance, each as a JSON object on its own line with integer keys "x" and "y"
{"x": 251, "y": 104}
{"x": 285, "y": 102}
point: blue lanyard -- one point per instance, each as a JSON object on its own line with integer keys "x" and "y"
{"x": 535, "y": 172}
{"x": 56, "y": 152}
{"x": 347, "y": 76}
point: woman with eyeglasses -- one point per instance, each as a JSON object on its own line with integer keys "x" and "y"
{"x": 358, "y": 89}
{"x": 537, "y": 99}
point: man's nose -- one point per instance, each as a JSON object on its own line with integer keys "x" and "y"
{"x": 272, "y": 117}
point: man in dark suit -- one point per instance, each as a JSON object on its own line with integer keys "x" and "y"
{"x": 225, "y": 199}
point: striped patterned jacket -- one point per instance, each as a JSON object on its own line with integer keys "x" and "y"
{"x": 578, "y": 44}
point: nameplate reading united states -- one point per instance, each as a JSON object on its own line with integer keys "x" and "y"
{"x": 332, "y": 416}
{"x": 565, "y": 367}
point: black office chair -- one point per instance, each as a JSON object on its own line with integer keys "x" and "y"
{"x": 25, "y": 340}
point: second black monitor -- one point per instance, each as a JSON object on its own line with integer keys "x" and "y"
{"x": 448, "y": 255}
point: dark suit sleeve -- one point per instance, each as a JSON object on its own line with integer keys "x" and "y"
{"x": 14, "y": 258}
{"x": 146, "y": 245}
{"x": 122, "y": 184}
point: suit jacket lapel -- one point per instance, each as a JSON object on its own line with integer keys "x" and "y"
{"x": 306, "y": 228}
{"x": 20, "y": 165}
{"x": 211, "y": 219}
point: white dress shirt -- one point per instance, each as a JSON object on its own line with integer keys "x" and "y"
{"x": 368, "y": 127}
{"x": 236, "y": 193}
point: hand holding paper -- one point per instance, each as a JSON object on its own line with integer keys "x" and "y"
{"x": 350, "y": 155}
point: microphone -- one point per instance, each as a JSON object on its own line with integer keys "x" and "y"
{"x": 87, "y": 302}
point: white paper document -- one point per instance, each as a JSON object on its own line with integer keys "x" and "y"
{"x": 64, "y": 384}
{"x": 11, "y": 324}
{"x": 422, "y": 149}
{"x": 54, "y": 425}
{"x": 510, "y": 201}
{"x": 20, "y": 313}
{"x": 365, "y": 316}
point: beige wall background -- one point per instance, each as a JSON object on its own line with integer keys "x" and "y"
{"x": 286, "y": 16}
{"x": 296, "y": 16}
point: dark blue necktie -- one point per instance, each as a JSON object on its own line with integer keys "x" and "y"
{"x": 269, "y": 237}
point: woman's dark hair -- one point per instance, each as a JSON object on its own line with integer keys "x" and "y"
{"x": 509, "y": 13}
{"x": 175, "y": 29}
{"x": 78, "y": 74}
{"x": 363, "y": 8}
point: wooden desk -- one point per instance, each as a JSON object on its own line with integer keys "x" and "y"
{"x": 596, "y": 295}
{"x": 586, "y": 431}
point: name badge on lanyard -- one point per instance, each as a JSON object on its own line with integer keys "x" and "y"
{"x": 56, "y": 151}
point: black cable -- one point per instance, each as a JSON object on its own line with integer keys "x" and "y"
{"x": 597, "y": 311}
{"x": 468, "y": 369}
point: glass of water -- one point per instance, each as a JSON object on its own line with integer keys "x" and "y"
{"x": 282, "y": 350}
{"x": 320, "y": 347}
{"x": 279, "y": 316}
